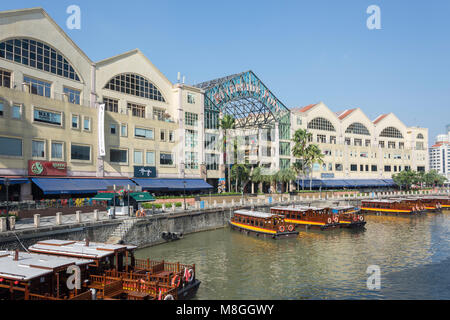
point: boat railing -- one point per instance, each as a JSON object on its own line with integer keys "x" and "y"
{"x": 34, "y": 296}
{"x": 158, "y": 266}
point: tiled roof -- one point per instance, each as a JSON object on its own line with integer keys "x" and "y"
{"x": 379, "y": 118}
{"x": 303, "y": 109}
{"x": 345, "y": 113}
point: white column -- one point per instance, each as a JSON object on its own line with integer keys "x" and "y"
{"x": 78, "y": 216}
{"x": 58, "y": 218}
{"x": 37, "y": 220}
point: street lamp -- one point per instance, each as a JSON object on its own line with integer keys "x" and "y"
{"x": 128, "y": 202}
{"x": 114, "y": 210}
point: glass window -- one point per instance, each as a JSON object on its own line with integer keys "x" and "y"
{"x": 171, "y": 136}
{"x": 118, "y": 155}
{"x": 143, "y": 133}
{"x": 357, "y": 142}
{"x": 135, "y": 85}
{"x": 391, "y": 144}
{"x": 123, "y": 130}
{"x": 10, "y": 147}
{"x": 158, "y": 114}
{"x": 191, "y": 138}
{"x": 190, "y": 98}
{"x": 387, "y": 168}
{"x": 72, "y": 95}
{"x": 190, "y": 119}
{"x": 111, "y": 104}
{"x": 38, "y": 87}
{"x": 212, "y": 161}
{"x": 211, "y": 141}
{"x": 332, "y": 139}
{"x": 16, "y": 111}
{"x": 191, "y": 160}
{"x": 87, "y": 124}
{"x": 211, "y": 119}
{"x": 138, "y": 157}
{"x": 321, "y": 124}
{"x": 5, "y": 78}
{"x": 162, "y": 135}
{"x": 137, "y": 110}
{"x": 57, "y": 150}
{"x": 113, "y": 128}
{"x": 321, "y": 138}
{"x": 2, "y": 108}
{"x": 381, "y": 144}
{"x": 374, "y": 168}
{"x": 285, "y": 148}
{"x": 79, "y": 152}
{"x": 357, "y": 128}
{"x": 75, "y": 121}
{"x": 150, "y": 158}
{"x": 37, "y": 55}
{"x": 165, "y": 158}
{"x": 391, "y": 132}
{"x": 38, "y": 149}
{"x": 47, "y": 117}
{"x": 353, "y": 167}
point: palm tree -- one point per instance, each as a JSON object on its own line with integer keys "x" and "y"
{"x": 256, "y": 177}
{"x": 240, "y": 172}
{"x": 297, "y": 166}
{"x": 226, "y": 123}
{"x": 313, "y": 156}
{"x": 299, "y": 150}
{"x": 286, "y": 176}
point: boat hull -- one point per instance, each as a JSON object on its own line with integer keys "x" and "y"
{"x": 353, "y": 225}
{"x": 262, "y": 234}
{"x": 188, "y": 291}
{"x": 393, "y": 212}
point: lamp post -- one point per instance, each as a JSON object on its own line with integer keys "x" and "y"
{"x": 114, "y": 210}
{"x": 128, "y": 202}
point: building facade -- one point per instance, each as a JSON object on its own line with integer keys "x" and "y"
{"x": 439, "y": 154}
{"x": 64, "y": 115}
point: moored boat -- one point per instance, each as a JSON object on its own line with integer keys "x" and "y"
{"x": 437, "y": 203}
{"x": 309, "y": 217}
{"x": 349, "y": 216}
{"x": 262, "y": 224}
{"x": 392, "y": 206}
{"x": 116, "y": 274}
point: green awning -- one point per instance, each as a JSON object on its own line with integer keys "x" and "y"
{"x": 104, "y": 196}
{"x": 142, "y": 196}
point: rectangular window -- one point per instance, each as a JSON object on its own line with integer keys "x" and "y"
{"x": 5, "y": 79}
{"x": 79, "y": 152}
{"x": 361, "y": 167}
{"x": 118, "y": 156}
{"x": 212, "y": 161}
{"x": 401, "y": 145}
{"x": 158, "y": 114}
{"x": 387, "y": 168}
{"x": 123, "y": 130}
{"x": 374, "y": 168}
{"x": 211, "y": 141}
{"x": 347, "y": 141}
{"x": 87, "y": 124}
{"x": 111, "y": 105}
{"x": 165, "y": 158}
{"x": 143, "y": 133}
{"x": 136, "y": 110}
{"x": 357, "y": 142}
{"x": 138, "y": 157}
{"x": 321, "y": 138}
{"x": 353, "y": 167}
{"x": 57, "y": 150}
{"x": 391, "y": 144}
{"x": 191, "y": 138}
{"x": 299, "y": 121}
{"x": 162, "y": 135}
{"x": 191, "y": 119}
{"x": 16, "y": 111}
{"x": 150, "y": 158}
{"x": 191, "y": 160}
{"x": 2, "y": 108}
{"x": 38, "y": 149}
{"x": 211, "y": 119}
{"x": 171, "y": 136}
{"x": 113, "y": 128}
{"x": 190, "y": 98}
{"x": 10, "y": 147}
{"x": 381, "y": 144}
{"x": 285, "y": 148}
{"x": 332, "y": 139}
{"x": 73, "y": 95}
{"x": 38, "y": 87}
{"x": 75, "y": 121}
{"x": 47, "y": 117}
{"x": 367, "y": 143}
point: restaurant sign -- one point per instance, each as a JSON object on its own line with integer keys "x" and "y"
{"x": 144, "y": 172}
{"x": 47, "y": 168}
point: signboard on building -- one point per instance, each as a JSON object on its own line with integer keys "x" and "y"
{"x": 327, "y": 175}
{"x": 47, "y": 168}
{"x": 144, "y": 172}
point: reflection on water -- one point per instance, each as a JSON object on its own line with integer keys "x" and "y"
{"x": 320, "y": 265}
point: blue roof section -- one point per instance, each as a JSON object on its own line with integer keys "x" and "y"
{"x": 78, "y": 186}
{"x": 15, "y": 181}
{"x": 172, "y": 184}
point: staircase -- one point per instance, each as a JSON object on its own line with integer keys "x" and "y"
{"x": 121, "y": 231}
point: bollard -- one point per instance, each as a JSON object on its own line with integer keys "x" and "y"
{"x": 224, "y": 203}
{"x": 78, "y": 216}
{"x": 96, "y": 217}
{"x": 241, "y": 201}
{"x": 3, "y": 224}
{"x": 215, "y": 203}
{"x": 173, "y": 207}
{"x": 12, "y": 222}
{"x": 58, "y": 218}
{"x": 163, "y": 207}
{"x": 232, "y": 202}
{"x": 37, "y": 220}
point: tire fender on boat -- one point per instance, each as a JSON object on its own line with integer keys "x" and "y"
{"x": 168, "y": 297}
{"x": 291, "y": 228}
{"x": 281, "y": 228}
{"x": 188, "y": 275}
{"x": 361, "y": 218}
{"x": 329, "y": 220}
{"x": 176, "y": 281}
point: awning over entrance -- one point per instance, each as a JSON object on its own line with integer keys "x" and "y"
{"x": 173, "y": 184}
{"x": 78, "y": 186}
{"x": 14, "y": 180}
{"x": 142, "y": 196}
{"x": 104, "y": 196}
{"x": 347, "y": 183}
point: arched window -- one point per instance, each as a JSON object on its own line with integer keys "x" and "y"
{"x": 321, "y": 124}
{"x": 357, "y": 128}
{"x": 420, "y": 136}
{"x": 37, "y": 55}
{"x": 391, "y": 132}
{"x": 135, "y": 85}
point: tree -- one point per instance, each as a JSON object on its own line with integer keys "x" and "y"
{"x": 406, "y": 179}
{"x": 299, "y": 150}
{"x": 313, "y": 155}
{"x": 240, "y": 173}
{"x": 227, "y": 123}
{"x": 286, "y": 176}
{"x": 256, "y": 176}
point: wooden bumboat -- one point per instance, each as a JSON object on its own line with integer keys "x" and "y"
{"x": 439, "y": 203}
{"x": 308, "y": 217}
{"x": 262, "y": 224}
{"x": 116, "y": 274}
{"x": 392, "y": 206}
{"x": 31, "y": 276}
{"x": 349, "y": 216}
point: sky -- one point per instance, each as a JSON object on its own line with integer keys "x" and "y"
{"x": 304, "y": 51}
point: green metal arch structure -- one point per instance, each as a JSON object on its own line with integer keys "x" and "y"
{"x": 245, "y": 97}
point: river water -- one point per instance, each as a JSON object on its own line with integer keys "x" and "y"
{"x": 413, "y": 254}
